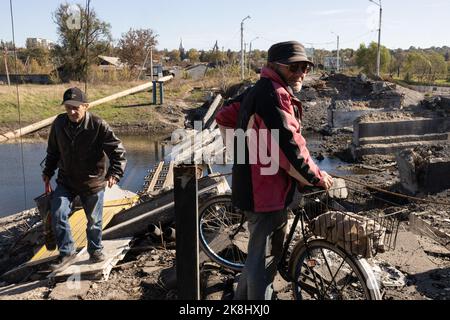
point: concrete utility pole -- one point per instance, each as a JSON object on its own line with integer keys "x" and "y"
{"x": 337, "y": 55}
{"x": 379, "y": 37}
{"x": 145, "y": 62}
{"x": 242, "y": 49}
{"x": 245, "y": 56}
{"x": 6, "y": 66}
{"x": 250, "y": 54}
{"x": 151, "y": 62}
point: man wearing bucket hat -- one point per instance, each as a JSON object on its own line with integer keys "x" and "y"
{"x": 78, "y": 145}
{"x": 272, "y": 110}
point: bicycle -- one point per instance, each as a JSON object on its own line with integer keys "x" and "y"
{"x": 320, "y": 264}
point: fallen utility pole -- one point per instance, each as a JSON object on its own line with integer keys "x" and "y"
{"x": 44, "y": 123}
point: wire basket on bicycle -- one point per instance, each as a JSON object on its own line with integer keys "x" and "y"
{"x": 359, "y": 221}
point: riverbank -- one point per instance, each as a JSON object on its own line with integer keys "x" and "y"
{"x": 131, "y": 114}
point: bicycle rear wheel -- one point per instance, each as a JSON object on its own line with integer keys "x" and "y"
{"x": 325, "y": 272}
{"x": 223, "y": 232}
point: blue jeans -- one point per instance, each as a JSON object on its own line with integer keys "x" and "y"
{"x": 60, "y": 209}
{"x": 267, "y": 232}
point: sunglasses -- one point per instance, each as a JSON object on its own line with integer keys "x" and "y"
{"x": 295, "y": 67}
{"x": 69, "y": 107}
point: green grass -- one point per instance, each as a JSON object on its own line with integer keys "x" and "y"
{"x": 441, "y": 82}
{"x": 38, "y": 102}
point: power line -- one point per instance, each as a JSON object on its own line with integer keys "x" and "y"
{"x": 87, "y": 9}
{"x": 18, "y": 105}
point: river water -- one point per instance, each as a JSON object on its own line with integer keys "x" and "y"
{"x": 142, "y": 153}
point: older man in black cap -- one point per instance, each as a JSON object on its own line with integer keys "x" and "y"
{"x": 78, "y": 145}
{"x": 273, "y": 113}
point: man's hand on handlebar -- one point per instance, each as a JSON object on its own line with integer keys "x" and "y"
{"x": 327, "y": 181}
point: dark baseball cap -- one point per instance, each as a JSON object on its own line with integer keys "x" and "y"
{"x": 74, "y": 97}
{"x": 288, "y": 52}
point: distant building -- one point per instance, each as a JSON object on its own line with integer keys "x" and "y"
{"x": 110, "y": 63}
{"x": 330, "y": 63}
{"x": 197, "y": 71}
{"x": 39, "y": 43}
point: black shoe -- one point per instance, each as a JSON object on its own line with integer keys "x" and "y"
{"x": 62, "y": 261}
{"x": 97, "y": 256}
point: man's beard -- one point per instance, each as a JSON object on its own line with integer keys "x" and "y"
{"x": 296, "y": 87}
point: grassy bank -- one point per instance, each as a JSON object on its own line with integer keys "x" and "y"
{"x": 38, "y": 102}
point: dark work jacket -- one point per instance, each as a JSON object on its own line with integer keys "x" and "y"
{"x": 80, "y": 154}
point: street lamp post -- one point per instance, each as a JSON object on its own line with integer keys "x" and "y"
{"x": 379, "y": 37}
{"x": 242, "y": 48}
{"x": 250, "y": 54}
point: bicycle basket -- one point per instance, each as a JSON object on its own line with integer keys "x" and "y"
{"x": 363, "y": 223}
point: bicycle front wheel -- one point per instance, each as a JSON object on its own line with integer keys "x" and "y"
{"x": 323, "y": 271}
{"x": 223, "y": 232}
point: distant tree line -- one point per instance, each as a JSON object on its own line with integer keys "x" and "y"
{"x": 83, "y": 36}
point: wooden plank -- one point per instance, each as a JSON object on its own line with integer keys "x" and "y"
{"x": 21, "y": 291}
{"x": 43, "y": 256}
{"x": 165, "y": 79}
{"x": 82, "y": 269}
{"x": 152, "y": 183}
{"x": 169, "y": 177}
{"x": 78, "y": 224}
{"x": 210, "y": 114}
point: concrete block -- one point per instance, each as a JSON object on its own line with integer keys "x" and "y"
{"x": 407, "y": 169}
{"x": 416, "y": 126}
{"x": 388, "y": 148}
{"x": 419, "y": 174}
{"x": 399, "y": 139}
{"x": 346, "y": 118}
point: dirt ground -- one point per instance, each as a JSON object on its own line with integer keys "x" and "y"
{"x": 419, "y": 266}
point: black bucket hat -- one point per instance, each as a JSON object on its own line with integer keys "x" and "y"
{"x": 288, "y": 52}
{"x": 74, "y": 97}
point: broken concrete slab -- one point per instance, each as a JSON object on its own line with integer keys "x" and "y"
{"x": 81, "y": 268}
{"x": 408, "y": 125}
{"x": 388, "y": 133}
{"x": 422, "y": 169}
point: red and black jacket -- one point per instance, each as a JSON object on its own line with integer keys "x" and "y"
{"x": 269, "y": 105}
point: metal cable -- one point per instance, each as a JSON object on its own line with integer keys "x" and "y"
{"x": 369, "y": 187}
{"x": 18, "y": 105}
{"x": 393, "y": 193}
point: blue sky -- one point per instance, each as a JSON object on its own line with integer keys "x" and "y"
{"x": 200, "y": 23}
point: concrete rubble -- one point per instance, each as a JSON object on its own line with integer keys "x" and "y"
{"x": 422, "y": 169}
{"x": 390, "y": 137}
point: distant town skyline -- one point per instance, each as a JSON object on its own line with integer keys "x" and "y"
{"x": 200, "y": 24}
